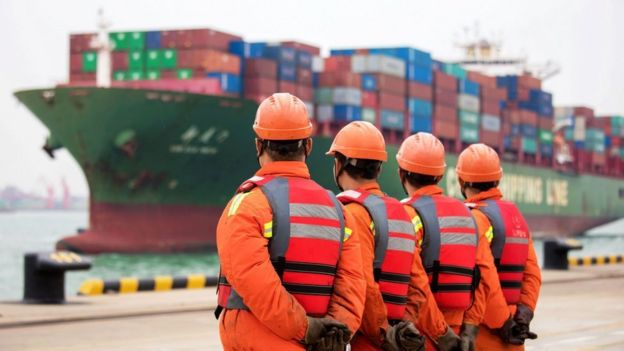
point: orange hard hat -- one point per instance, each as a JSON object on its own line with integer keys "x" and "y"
{"x": 479, "y": 163}
{"x": 422, "y": 153}
{"x": 282, "y": 116}
{"x": 360, "y": 140}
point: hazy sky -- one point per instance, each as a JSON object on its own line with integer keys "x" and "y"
{"x": 585, "y": 37}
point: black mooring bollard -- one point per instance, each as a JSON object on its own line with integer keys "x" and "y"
{"x": 556, "y": 252}
{"x": 44, "y": 275}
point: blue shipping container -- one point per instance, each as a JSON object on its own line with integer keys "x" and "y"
{"x": 280, "y": 54}
{"x": 437, "y": 65}
{"x": 315, "y": 79}
{"x": 230, "y": 83}
{"x": 418, "y": 107}
{"x": 240, "y": 48}
{"x": 256, "y": 50}
{"x": 465, "y": 86}
{"x": 540, "y": 97}
{"x": 409, "y": 55}
{"x": 391, "y": 119}
{"x": 419, "y": 74}
{"x": 526, "y": 130}
{"x": 304, "y": 60}
{"x": 347, "y": 113}
{"x": 369, "y": 82}
{"x": 287, "y": 71}
{"x": 421, "y": 124}
{"x": 152, "y": 40}
{"x": 608, "y": 141}
{"x": 546, "y": 149}
{"x": 342, "y": 52}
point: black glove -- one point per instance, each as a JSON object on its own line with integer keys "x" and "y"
{"x": 334, "y": 340}
{"x": 510, "y": 333}
{"x": 523, "y": 318}
{"x": 318, "y": 328}
{"x": 403, "y": 336}
{"x": 468, "y": 337}
{"x": 449, "y": 341}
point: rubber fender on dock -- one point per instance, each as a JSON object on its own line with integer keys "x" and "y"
{"x": 93, "y": 287}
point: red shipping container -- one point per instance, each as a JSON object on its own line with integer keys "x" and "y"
{"x": 260, "y": 68}
{"x": 79, "y": 43}
{"x": 545, "y": 123}
{"x": 81, "y": 77}
{"x": 506, "y": 127}
{"x": 482, "y": 79}
{"x": 445, "y": 129}
{"x": 445, "y": 97}
{"x": 369, "y": 99}
{"x": 445, "y": 113}
{"x": 523, "y": 94}
{"x": 584, "y": 111}
{"x": 304, "y": 92}
{"x": 287, "y": 87}
{"x": 75, "y": 63}
{"x": 210, "y": 39}
{"x": 120, "y": 60}
{"x": 598, "y": 158}
{"x": 443, "y": 80}
{"x": 491, "y": 138}
{"x": 260, "y": 86}
{"x": 313, "y": 50}
{"x": 209, "y": 60}
{"x": 392, "y": 101}
{"x": 337, "y": 63}
{"x": 173, "y": 74}
{"x": 490, "y": 107}
{"x": 304, "y": 76}
{"x": 168, "y": 39}
{"x": 391, "y": 84}
{"x": 493, "y": 94}
{"x": 420, "y": 91}
{"x": 529, "y": 82}
{"x": 529, "y": 117}
{"x": 520, "y": 117}
{"x": 339, "y": 79}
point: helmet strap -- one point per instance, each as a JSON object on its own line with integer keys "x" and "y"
{"x": 338, "y": 173}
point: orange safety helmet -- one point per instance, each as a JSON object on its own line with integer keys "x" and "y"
{"x": 479, "y": 163}
{"x": 422, "y": 153}
{"x": 360, "y": 140}
{"x": 282, "y": 116}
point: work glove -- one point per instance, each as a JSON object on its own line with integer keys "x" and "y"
{"x": 468, "y": 337}
{"x": 403, "y": 336}
{"x": 449, "y": 341}
{"x": 318, "y": 328}
{"x": 523, "y": 318}
{"x": 510, "y": 333}
{"x": 334, "y": 340}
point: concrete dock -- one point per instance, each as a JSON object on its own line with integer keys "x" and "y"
{"x": 581, "y": 309}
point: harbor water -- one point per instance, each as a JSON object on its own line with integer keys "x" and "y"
{"x": 36, "y": 231}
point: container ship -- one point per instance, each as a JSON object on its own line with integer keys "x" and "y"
{"x": 160, "y": 122}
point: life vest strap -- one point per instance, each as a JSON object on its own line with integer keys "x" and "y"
{"x": 394, "y": 299}
{"x": 453, "y": 287}
{"x": 304, "y": 267}
{"x": 324, "y": 290}
{"x": 451, "y": 270}
{"x": 510, "y": 268}
{"x": 394, "y": 277}
{"x": 511, "y": 284}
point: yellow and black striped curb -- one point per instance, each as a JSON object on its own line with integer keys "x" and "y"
{"x": 596, "y": 260}
{"x": 94, "y": 287}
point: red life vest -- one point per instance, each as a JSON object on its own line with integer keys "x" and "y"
{"x": 306, "y": 241}
{"x": 510, "y": 245}
{"x": 449, "y": 249}
{"x": 395, "y": 244}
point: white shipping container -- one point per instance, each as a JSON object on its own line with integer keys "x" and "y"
{"x": 324, "y": 113}
{"x": 318, "y": 64}
{"x": 310, "y": 107}
{"x": 579, "y": 128}
{"x": 347, "y": 96}
{"x": 378, "y": 64}
{"x": 491, "y": 123}
{"x": 564, "y": 112}
{"x": 369, "y": 115}
{"x": 468, "y": 103}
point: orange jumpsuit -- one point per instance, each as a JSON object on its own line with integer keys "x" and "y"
{"x": 497, "y": 308}
{"x": 375, "y": 321}
{"x": 488, "y": 287}
{"x": 275, "y": 320}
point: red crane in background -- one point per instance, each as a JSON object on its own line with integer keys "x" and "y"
{"x": 66, "y": 195}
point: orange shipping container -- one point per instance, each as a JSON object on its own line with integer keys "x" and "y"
{"x": 482, "y": 79}
{"x": 209, "y": 60}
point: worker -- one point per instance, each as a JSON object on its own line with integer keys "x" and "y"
{"x": 509, "y": 238}
{"x": 457, "y": 259}
{"x": 291, "y": 270}
{"x": 387, "y": 239}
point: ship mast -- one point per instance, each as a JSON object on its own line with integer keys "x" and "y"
{"x": 103, "y": 46}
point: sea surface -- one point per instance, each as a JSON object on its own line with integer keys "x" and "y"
{"x": 37, "y": 231}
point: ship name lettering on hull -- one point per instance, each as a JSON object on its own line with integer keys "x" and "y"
{"x": 196, "y": 141}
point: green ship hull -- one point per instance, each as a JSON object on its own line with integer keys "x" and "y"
{"x": 161, "y": 165}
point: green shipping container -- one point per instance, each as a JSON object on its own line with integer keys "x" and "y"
{"x": 184, "y": 73}
{"x": 152, "y": 74}
{"x": 368, "y": 115}
{"x": 89, "y": 61}
{"x": 127, "y": 40}
{"x": 324, "y": 96}
{"x": 120, "y": 75}
{"x": 152, "y": 59}
{"x": 455, "y": 70}
{"x": 467, "y": 118}
{"x": 136, "y": 40}
{"x": 469, "y": 134}
{"x": 136, "y": 60}
{"x": 568, "y": 134}
{"x": 168, "y": 59}
{"x": 545, "y": 136}
{"x": 135, "y": 75}
{"x": 529, "y": 145}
